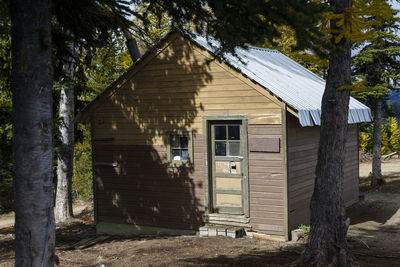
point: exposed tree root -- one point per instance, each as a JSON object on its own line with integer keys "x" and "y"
{"x": 378, "y": 256}
{"x": 328, "y": 247}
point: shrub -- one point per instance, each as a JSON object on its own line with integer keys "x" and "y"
{"x": 306, "y": 230}
{"x": 365, "y": 142}
{"x": 82, "y": 186}
{"x": 390, "y": 136}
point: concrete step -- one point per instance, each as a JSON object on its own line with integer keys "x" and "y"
{"x": 222, "y": 230}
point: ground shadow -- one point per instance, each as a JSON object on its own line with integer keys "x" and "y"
{"x": 256, "y": 258}
{"x": 378, "y": 212}
{"x": 375, "y": 204}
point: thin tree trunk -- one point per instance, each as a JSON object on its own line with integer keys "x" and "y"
{"x": 65, "y": 165}
{"x": 132, "y": 46}
{"x": 376, "y": 146}
{"x": 32, "y": 77}
{"x": 327, "y": 245}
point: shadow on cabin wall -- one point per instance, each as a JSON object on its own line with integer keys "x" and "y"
{"x": 159, "y": 99}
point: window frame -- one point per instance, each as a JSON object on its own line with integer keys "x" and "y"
{"x": 180, "y": 163}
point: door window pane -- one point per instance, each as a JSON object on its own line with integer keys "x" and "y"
{"x": 184, "y": 142}
{"x": 234, "y": 148}
{"x": 220, "y": 132}
{"x": 220, "y": 148}
{"x": 234, "y": 132}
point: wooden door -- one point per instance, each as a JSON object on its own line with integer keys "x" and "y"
{"x": 227, "y": 167}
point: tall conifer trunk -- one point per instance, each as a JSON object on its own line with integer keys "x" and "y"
{"x": 65, "y": 165}
{"x": 327, "y": 239}
{"x": 32, "y": 78}
{"x": 376, "y": 145}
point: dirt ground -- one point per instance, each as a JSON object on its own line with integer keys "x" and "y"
{"x": 374, "y": 235}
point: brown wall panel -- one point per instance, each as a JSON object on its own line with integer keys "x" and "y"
{"x": 266, "y": 187}
{"x": 144, "y": 190}
{"x": 302, "y": 160}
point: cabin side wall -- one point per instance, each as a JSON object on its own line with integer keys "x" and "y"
{"x": 173, "y": 91}
{"x": 302, "y": 160}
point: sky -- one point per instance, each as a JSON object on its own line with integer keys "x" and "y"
{"x": 396, "y": 4}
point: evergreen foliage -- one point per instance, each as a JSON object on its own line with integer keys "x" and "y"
{"x": 376, "y": 68}
{"x": 6, "y": 188}
{"x": 82, "y": 186}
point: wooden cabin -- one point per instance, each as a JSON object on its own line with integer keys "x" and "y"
{"x": 181, "y": 140}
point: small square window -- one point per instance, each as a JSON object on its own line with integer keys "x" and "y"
{"x": 180, "y": 148}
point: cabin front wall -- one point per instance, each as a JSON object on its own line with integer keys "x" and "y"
{"x": 302, "y": 160}
{"x": 176, "y": 90}
{"x": 267, "y": 181}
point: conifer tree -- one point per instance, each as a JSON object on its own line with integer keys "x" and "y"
{"x": 327, "y": 243}
{"x": 376, "y": 69}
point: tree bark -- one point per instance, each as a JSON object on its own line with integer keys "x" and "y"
{"x": 32, "y": 82}
{"x": 376, "y": 146}
{"x": 65, "y": 164}
{"x": 327, "y": 245}
{"x": 132, "y": 46}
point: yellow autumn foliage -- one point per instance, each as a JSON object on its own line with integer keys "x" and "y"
{"x": 390, "y": 136}
{"x": 355, "y": 23}
{"x": 365, "y": 141}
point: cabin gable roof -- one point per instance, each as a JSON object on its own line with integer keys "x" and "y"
{"x": 275, "y": 76}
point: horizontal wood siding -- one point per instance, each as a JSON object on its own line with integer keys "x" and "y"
{"x": 302, "y": 160}
{"x": 172, "y": 92}
{"x": 266, "y": 183}
{"x": 143, "y": 190}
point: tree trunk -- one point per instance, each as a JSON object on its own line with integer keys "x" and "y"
{"x": 65, "y": 165}
{"x": 32, "y": 77}
{"x": 132, "y": 46}
{"x": 376, "y": 146}
{"x": 327, "y": 245}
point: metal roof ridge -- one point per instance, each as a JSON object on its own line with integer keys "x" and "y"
{"x": 264, "y": 49}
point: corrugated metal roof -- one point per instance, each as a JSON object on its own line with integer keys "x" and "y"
{"x": 297, "y": 86}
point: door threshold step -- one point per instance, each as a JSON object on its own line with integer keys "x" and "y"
{"x": 217, "y": 217}
{"x": 227, "y": 223}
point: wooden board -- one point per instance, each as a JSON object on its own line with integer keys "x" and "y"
{"x": 228, "y": 183}
{"x": 228, "y": 199}
{"x": 264, "y": 144}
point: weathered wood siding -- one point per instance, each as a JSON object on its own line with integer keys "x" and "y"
{"x": 172, "y": 91}
{"x": 302, "y": 160}
{"x": 266, "y": 183}
{"x": 143, "y": 190}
